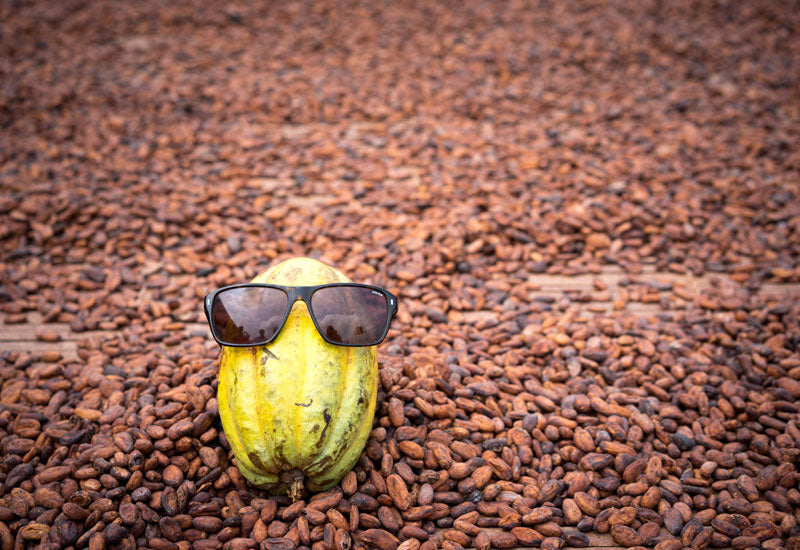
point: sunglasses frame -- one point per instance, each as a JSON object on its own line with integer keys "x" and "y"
{"x": 303, "y": 293}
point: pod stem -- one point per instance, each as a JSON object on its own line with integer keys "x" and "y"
{"x": 294, "y": 480}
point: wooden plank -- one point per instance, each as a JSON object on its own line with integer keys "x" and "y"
{"x": 596, "y": 540}
{"x": 68, "y": 349}
{"x": 612, "y": 275}
{"x": 14, "y": 333}
{"x": 779, "y": 289}
{"x": 601, "y": 540}
{"x": 21, "y": 337}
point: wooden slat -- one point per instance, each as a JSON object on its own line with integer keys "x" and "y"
{"x": 22, "y": 337}
{"x": 601, "y": 540}
{"x": 596, "y": 540}
{"x": 19, "y": 332}
{"x": 782, "y": 289}
{"x": 68, "y": 349}
{"x": 14, "y": 333}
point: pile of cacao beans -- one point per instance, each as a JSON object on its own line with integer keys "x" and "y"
{"x": 590, "y": 213}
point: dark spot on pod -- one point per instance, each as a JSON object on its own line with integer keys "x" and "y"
{"x": 327, "y": 417}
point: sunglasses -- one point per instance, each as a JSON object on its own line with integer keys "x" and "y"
{"x": 345, "y": 314}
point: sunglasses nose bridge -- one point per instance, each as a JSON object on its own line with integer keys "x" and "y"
{"x": 299, "y": 314}
{"x": 302, "y": 299}
{"x": 295, "y": 296}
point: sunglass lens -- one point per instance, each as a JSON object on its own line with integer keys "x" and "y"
{"x": 350, "y": 315}
{"x": 248, "y": 315}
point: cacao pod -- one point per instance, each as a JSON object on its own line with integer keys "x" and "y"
{"x": 297, "y": 411}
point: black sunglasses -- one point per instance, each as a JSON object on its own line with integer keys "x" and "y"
{"x": 345, "y": 314}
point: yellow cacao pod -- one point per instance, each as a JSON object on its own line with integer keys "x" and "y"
{"x": 297, "y": 411}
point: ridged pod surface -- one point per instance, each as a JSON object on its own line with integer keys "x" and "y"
{"x": 298, "y": 410}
